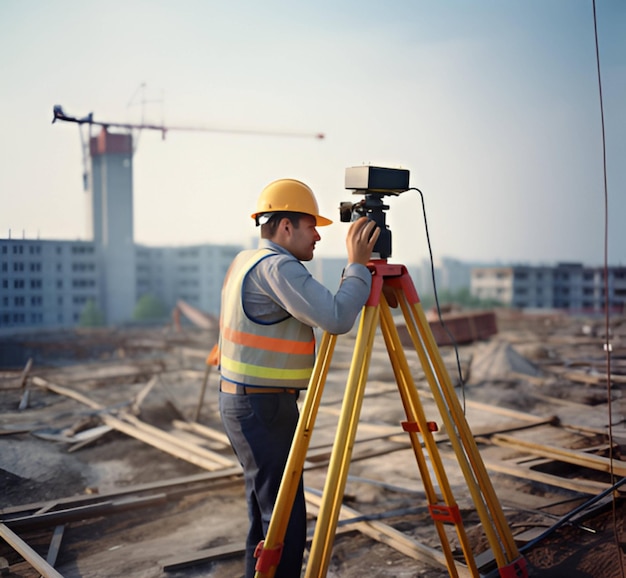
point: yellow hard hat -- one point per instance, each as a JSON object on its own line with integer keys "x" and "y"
{"x": 289, "y": 195}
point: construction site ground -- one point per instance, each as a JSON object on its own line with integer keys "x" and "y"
{"x": 112, "y": 463}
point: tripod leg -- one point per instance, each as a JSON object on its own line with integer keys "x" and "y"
{"x": 269, "y": 551}
{"x": 417, "y": 423}
{"x": 479, "y": 484}
{"x": 323, "y": 538}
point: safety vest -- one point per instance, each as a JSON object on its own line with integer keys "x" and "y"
{"x": 254, "y": 353}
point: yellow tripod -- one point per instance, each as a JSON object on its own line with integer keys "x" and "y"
{"x": 391, "y": 286}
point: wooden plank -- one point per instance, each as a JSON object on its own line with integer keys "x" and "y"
{"x": 92, "y": 373}
{"x": 220, "y": 553}
{"x": 393, "y": 538}
{"x": 504, "y": 411}
{"x": 576, "y": 457}
{"x": 55, "y": 545}
{"x": 47, "y": 519}
{"x": 172, "y": 439}
{"x": 24, "y": 401}
{"x": 197, "y": 456}
{"x": 146, "y": 433}
{"x": 176, "y": 483}
{"x": 587, "y": 378}
{"x": 512, "y": 469}
{"x": 145, "y": 390}
{"x": 25, "y": 372}
{"x": 22, "y": 548}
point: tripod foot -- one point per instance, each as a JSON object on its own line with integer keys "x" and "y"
{"x": 516, "y": 569}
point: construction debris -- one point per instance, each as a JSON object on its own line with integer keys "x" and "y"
{"x": 109, "y": 469}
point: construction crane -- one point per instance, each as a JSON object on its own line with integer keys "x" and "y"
{"x": 59, "y": 114}
{"x": 89, "y": 120}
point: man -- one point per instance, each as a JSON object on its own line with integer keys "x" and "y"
{"x": 270, "y": 304}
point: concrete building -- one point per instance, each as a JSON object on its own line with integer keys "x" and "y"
{"x": 570, "y": 286}
{"x": 194, "y": 274}
{"x": 47, "y": 283}
{"x": 450, "y": 275}
{"x": 111, "y": 222}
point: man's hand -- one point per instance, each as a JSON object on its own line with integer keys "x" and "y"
{"x": 362, "y": 236}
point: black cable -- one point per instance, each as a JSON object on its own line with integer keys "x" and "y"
{"x": 565, "y": 519}
{"x": 441, "y": 321}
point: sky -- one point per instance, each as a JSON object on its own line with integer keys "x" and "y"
{"x": 493, "y": 106}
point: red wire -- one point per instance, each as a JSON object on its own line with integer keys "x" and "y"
{"x": 607, "y": 303}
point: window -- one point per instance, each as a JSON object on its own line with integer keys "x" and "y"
{"x": 18, "y": 266}
{"x": 18, "y": 284}
{"x": 80, "y": 267}
{"x": 82, "y": 283}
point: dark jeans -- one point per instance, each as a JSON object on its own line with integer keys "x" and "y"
{"x": 260, "y": 428}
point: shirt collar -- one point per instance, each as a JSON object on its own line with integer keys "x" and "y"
{"x": 267, "y": 244}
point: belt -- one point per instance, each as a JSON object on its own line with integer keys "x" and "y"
{"x": 234, "y": 389}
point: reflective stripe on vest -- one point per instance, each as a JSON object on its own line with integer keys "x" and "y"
{"x": 279, "y": 354}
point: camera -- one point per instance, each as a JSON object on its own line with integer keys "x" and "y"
{"x": 374, "y": 183}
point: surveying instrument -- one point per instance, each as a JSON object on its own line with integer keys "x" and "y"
{"x": 391, "y": 287}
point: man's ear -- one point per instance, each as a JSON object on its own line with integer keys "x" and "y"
{"x": 286, "y": 225}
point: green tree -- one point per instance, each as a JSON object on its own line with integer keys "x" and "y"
{"x": 91, "y": 316}
{"x": 149, "y": 308}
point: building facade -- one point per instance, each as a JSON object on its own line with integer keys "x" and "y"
{"x": 194, "y": 274}
{"x": 569, "y": 286}
{"x": 47, "y": 283}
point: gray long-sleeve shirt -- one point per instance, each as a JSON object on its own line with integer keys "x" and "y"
{"x": 283, "y": 284}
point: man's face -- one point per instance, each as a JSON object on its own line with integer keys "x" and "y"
{"x": 301, "y": 243}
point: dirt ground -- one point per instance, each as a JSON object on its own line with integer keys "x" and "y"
{"x": 512, "y": 371}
